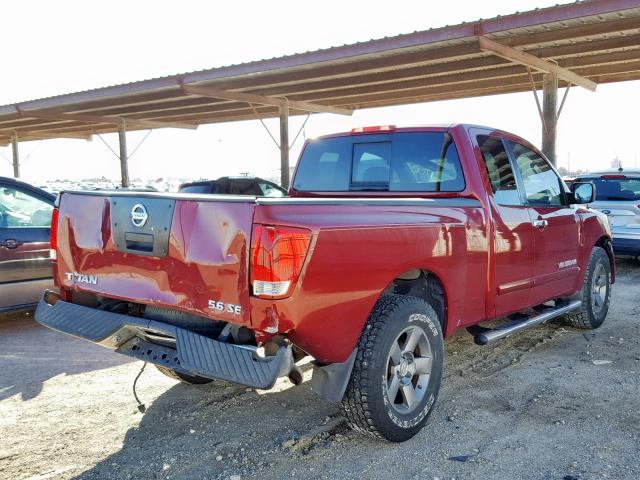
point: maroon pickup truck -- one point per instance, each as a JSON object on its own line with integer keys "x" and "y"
{"x": 390, "y": 240}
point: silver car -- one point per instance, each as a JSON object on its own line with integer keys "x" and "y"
{"x": 618, "y": 197}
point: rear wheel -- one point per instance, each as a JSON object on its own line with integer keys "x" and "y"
{"x": 183, "y": 377}
{"x": 595, "y": 293}
{"x": 397, "y": 371}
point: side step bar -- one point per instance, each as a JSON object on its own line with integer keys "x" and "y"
{"x": 485, "y": 336}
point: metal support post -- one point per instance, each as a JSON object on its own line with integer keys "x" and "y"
{"x": 284, "y": 145}
{"x": 124, "y": 168}
{"x": 16, "y": 156}
{"x": 549, "y": 113}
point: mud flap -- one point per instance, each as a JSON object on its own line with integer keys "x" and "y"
{"x": 330, "y": 381}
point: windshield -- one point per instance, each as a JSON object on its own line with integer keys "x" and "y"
{"x": 616, "y": 188}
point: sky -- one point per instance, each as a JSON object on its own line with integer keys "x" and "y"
{"x": 52, "y": 48}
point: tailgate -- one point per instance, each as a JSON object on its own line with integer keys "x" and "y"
{"x": 181, "y": 251}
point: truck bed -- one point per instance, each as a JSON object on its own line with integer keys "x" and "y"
{"x": 193, "y": 252}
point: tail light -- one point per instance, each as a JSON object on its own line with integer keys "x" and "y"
{"x": 53, "y": 235}
{"x": 277, "y": 255}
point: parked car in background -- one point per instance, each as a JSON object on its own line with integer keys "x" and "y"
{"x": 618, "y": 197}
{"x": 25, "y": 266}
{"x": 235, "y": 186}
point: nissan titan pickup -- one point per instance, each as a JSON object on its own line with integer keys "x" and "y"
{"x": 389, "y": 241}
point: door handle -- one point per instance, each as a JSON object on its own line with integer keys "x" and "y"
{"x": 11, "y": 243}
{"x": 540, "y": 223}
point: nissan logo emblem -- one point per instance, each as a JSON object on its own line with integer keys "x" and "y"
{"x": 139, "y": 215}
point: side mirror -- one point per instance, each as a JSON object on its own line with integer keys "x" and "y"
{"x": 583, "y": 192}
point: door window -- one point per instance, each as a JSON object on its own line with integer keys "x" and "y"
{"x": 499, "y": 170}
{"x": 541, "y": 184}
{"x": 19, "y": 209}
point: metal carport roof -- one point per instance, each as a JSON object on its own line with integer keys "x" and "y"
{"x": 583, "y": 43}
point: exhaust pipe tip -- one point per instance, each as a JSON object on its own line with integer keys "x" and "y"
{"x": 295, "y": 375}
{"x": 50, "y": 297}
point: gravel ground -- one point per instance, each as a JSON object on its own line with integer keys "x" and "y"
{"x": 551, "y": 403}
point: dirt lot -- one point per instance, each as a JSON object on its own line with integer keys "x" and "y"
{"x": 552, "y": 403}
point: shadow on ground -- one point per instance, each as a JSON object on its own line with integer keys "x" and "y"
{"x": 30, "y": 354}
{"x": 214, "y": 430}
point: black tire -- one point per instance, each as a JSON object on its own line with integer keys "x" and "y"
{"x": 367, "y": 403}
{"x": 594, "y": 306}
{"x": 183, "y": 377}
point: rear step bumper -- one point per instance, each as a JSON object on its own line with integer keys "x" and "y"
{"x": 194, "y": 354}
{"x": 484, "y": 336}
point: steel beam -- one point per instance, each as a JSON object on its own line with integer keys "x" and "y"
{"x": 262, "y": 100}
{"x": 84, "y": 118}
{"x": 284, "y": 146}
{"x": 27, "y": 135}
{"x": 124, "y": 167}
{"x": 529, "y": 60}
{"x": 16, "y": 156}
{"x": 550, "y": 116}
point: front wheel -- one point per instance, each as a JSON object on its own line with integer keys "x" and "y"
{"x": 595, "y": 293}
{"x": 397, "y": 371}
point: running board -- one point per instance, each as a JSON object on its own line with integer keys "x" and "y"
{"x": 485, "y": 336}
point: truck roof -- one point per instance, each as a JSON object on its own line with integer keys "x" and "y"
{"x": 433, "y": 127}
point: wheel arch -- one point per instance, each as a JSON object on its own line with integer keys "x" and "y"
{"x": 425, "y": 284}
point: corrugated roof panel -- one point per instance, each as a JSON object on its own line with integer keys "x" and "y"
{"x": 597, "y": 39}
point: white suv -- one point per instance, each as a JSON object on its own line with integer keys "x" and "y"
{"x": 618, "y": 197}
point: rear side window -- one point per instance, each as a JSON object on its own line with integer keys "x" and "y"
{"x": 501, "y": 177}
{"x": 403, "y": 162}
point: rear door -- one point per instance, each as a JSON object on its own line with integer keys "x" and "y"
{"x": 556, "y": 226}
{"x": 25, "y": 218}
{"x": 513, "y": 237}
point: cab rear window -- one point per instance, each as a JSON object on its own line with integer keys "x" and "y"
{"x": 402, "y": 162}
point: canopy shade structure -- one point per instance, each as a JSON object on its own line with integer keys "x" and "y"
{"x": 584, "y": 44}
